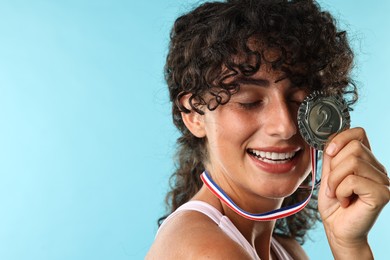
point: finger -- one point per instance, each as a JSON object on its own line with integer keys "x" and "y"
{"x": 374, "y": 195}
{"x": 354, "y": 166}
{"x": 326, "y": 160}
{"x": 342, "y": 139}
{"x": 359, "y": 150}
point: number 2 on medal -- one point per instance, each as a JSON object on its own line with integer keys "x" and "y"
{"x": 325, "y": 113}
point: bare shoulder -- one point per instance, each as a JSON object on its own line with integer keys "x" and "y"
{"x": 292, "y": 247}
{"x": 192, "y": 235}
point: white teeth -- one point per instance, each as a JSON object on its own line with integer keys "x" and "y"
{"x": 275, "y": 156}
{"x": 272, "y": 155}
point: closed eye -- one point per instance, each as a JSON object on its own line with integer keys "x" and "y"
{"x": 297, "y": 96}
{"x": 250, "y": 105}
{"x": 296, "y": 102}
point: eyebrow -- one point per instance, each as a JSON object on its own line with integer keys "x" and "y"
{"x": 258, "y": 82}
{"x": 261, "y": 82}
{"x": 252, "y": 81}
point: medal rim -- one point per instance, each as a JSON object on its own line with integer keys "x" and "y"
{"x": 336, "y": 101}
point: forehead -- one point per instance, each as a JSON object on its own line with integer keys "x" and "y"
{"x": 261, "y": 64}
{"x": 270, "y": 53}
{"x": 260, "y": 59}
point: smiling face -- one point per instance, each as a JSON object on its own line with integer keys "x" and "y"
{"x": 254, "y": 147}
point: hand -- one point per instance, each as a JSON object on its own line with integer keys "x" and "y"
{"x": 354, "y": 189}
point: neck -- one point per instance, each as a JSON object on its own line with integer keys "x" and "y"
{"x": 257, "y": 233}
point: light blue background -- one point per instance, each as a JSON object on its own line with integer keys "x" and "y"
{"x": 86, "y": 137}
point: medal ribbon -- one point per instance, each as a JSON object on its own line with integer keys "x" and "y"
{"x": 267, "y": 216}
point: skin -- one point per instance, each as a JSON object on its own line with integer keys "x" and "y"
{"x": 355, "y": 185}
{"x": 356, "y": 190}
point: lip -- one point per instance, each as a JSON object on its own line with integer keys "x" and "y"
{"x": 280, "y": 168}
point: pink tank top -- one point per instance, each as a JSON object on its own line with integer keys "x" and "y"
{"x": 228, "y": 227}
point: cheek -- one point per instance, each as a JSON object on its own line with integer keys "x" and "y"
{"x": 307, "y": 161}
{"x": 229, "y": 127}
{"x": 236, "y": 129}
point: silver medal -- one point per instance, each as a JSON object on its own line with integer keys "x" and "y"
{"x": 320, "y": 116}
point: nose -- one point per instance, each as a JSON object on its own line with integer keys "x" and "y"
{"x": 280, "y": 119}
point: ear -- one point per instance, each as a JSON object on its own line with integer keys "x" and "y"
{"x": 193, "y": 120}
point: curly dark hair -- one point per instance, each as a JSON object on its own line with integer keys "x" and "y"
{"x": 205, "y": 43}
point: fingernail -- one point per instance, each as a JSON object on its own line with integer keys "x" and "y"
{"x": 330, "y": 150}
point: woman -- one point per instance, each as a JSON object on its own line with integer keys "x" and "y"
{"x": 237, "y": 72}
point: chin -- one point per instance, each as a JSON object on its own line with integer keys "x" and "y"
{"x": 281, "y": 193}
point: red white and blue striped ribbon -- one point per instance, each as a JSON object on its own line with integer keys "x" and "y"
{"x": 267, "y": 216}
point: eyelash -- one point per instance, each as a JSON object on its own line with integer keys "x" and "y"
{"x": 250, "y": 105}
{"x": 297, "y": 102}
{"x": 256, "y": 104}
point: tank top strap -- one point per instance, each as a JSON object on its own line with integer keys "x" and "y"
{"x": 279, "y": 251}
{"x": 227, "y": 226}
{"x": 204, "y": 208}
{"x": 195, "y": 205}
{"x": 222, "y": 221}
